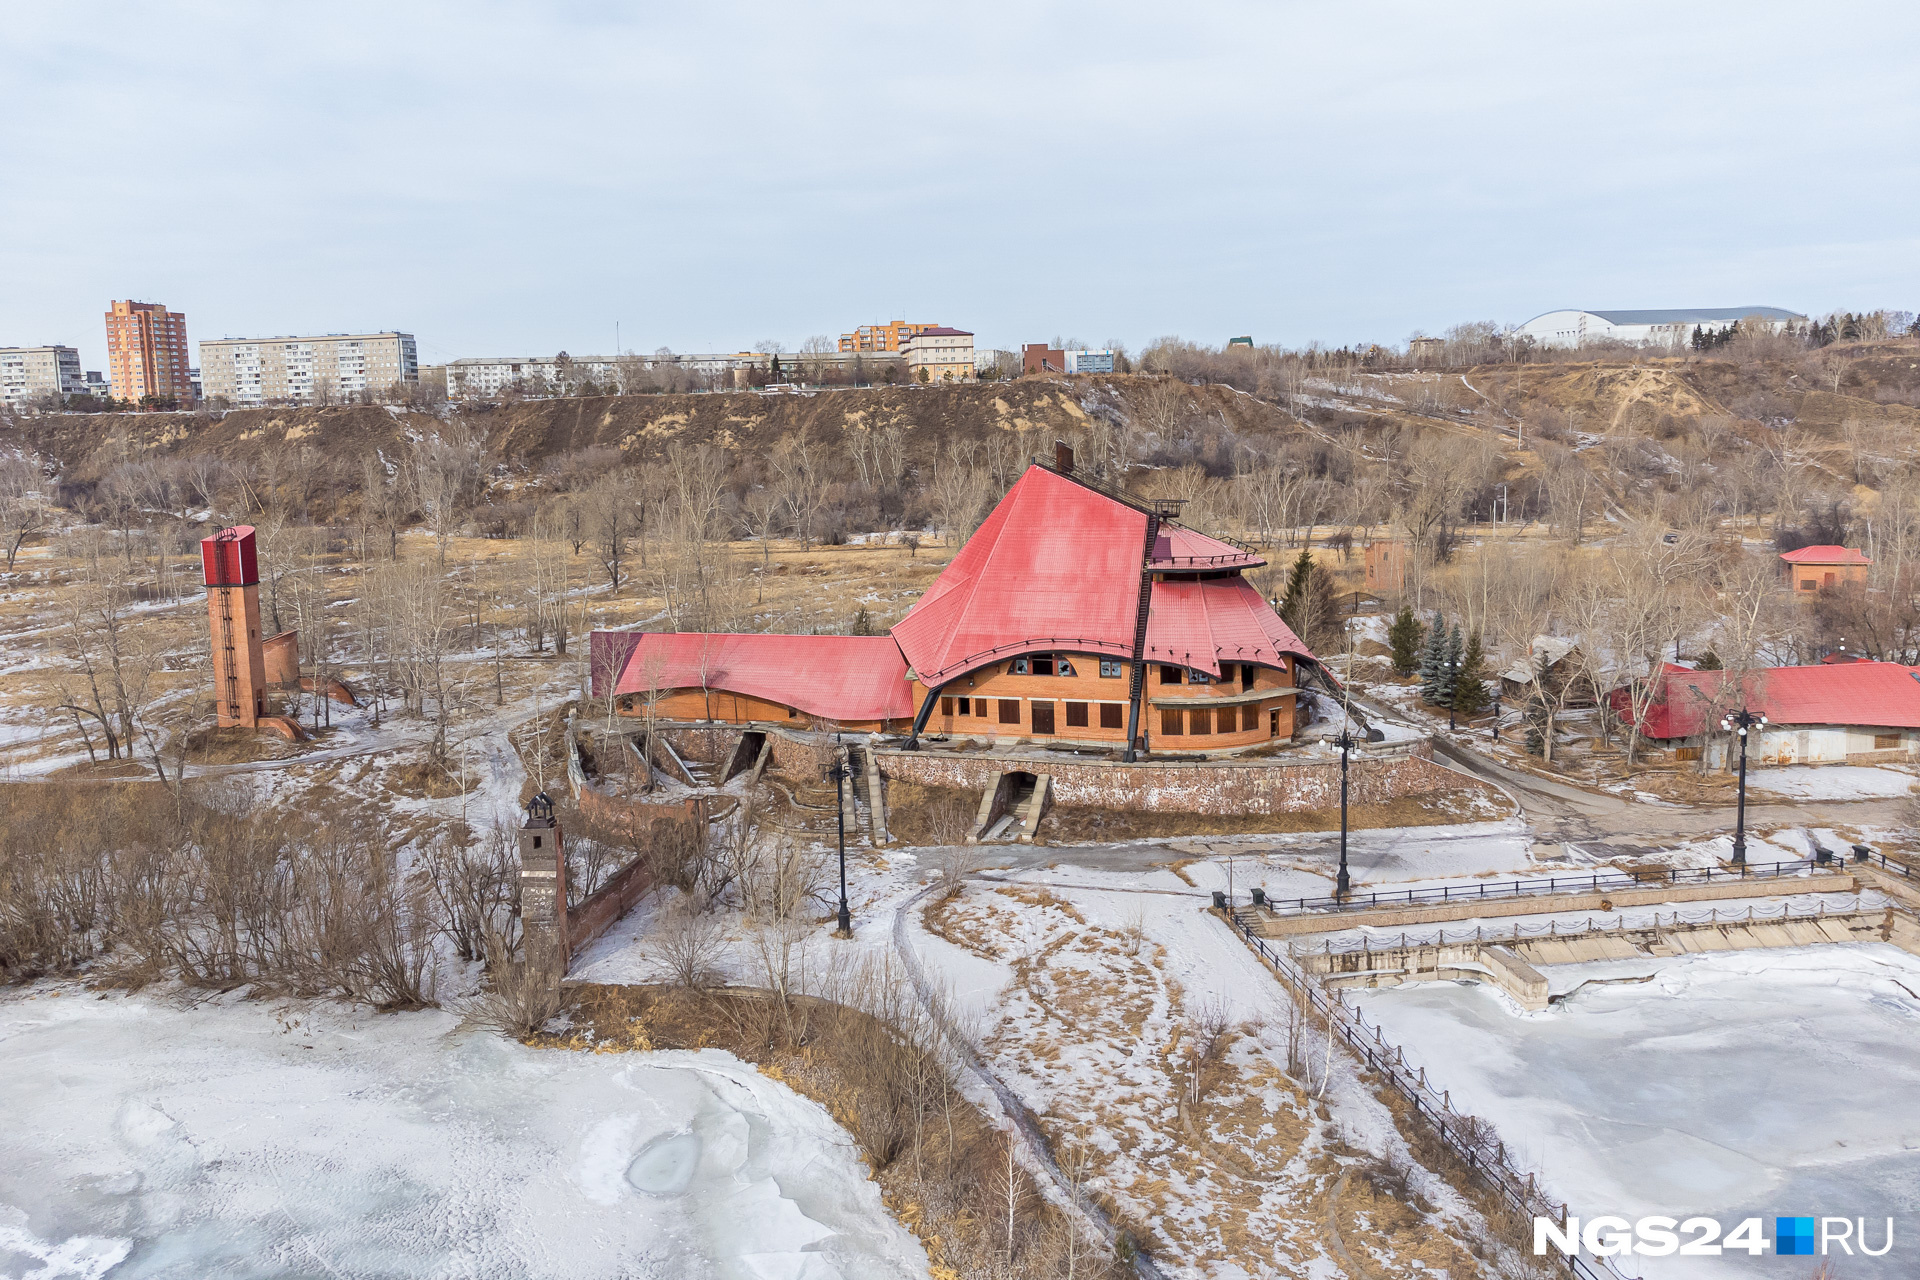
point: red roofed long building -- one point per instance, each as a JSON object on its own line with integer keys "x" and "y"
{"x": 1073, "y": 615}
{"x": 1825, "y": 714}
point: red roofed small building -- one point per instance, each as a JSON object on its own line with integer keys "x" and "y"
{"x": 1811, "y": 568}
{"x": 1825, "y": 714}
{"x": 1073, "y": 615}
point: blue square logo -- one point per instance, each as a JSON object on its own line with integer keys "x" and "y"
{"x": 1793, "y": 1237}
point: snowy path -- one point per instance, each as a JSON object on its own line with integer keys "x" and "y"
{"x": 247, "y": 1139}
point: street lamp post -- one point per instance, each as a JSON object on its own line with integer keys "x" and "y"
{"x": 1741, "y": 722}
{"x": 838, "y": 772}
{"x": 1344, "y": 883}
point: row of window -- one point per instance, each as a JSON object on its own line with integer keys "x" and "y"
{"x": 1201, "y": 721}
{"x": 1007, "y": 711}
{"x": 1058, "y": 664}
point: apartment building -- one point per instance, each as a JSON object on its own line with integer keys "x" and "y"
{"x": 316, "y": 370}
{"x": 891, "y": 336}
{"x": 147, "y": 352}
{"x": 940, "y": 354}
{"x": 32, "y": 374}
{"x": 477, "y": 378}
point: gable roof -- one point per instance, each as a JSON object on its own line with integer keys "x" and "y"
{"x": 1825, "y": 554}
{"x": 837, "y": 677}
{"x": 1054, "y": 564}
{"x": 1882, "y": 695}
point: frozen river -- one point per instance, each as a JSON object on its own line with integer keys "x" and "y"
{"x": 252, "y": 1139}
{"x": 1730, "y": 1085}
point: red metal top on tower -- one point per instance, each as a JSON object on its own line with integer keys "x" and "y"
{"x": 229, "y": 559}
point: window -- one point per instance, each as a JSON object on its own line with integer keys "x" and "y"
{"x": 946, "y": 706}
{"x": 1169, "y": 675}
{"x": 1043, "y": 717}
{"x": 1017, "y": 667}
{"x": 1170, "y": 722}
{"x": 1112, "y": 716}
{"x": 1042, "y": 664}
{"x": 1009, "y": 711}
{"x": 1807, "y": 584}
{"x": 792, "y": 713}
{"x": 1249, "y": 717}
{"x": 1246, "y": 675}
{"x": 1199, "y": 677}
{"x": 965, "y": 705}
{"x": 1076, "y": 715}
{"x": 1061, "y": 667}
{"x": 1200, "y": 720}
{"x": 1881, "y": 741}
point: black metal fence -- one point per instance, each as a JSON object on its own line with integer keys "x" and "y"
{"x": 1595, "y": 882}
{"x": 1470, "y": 1139}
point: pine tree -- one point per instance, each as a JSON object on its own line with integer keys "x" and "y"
{"x": 1470, "y": 696}
{"x": 1296, "y": 592}
{"x": 1405, "y": 636}
{"x": 1433, "y": 659}
{"x": 1449, "y": 669}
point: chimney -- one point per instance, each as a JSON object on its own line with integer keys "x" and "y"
{"x": 1063, "y": 457}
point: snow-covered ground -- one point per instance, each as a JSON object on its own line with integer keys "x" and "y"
{"x": 1832, "y": 782}
{"x": 1732, "y": 1085}
{"x": 233, "y": 1138}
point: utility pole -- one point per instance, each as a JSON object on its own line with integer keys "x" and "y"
{"x": 1344, "y": 882}
{"x": 837, "y": 772}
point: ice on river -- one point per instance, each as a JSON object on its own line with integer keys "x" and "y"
{"x": 248, "y": 1139}
{"x": 1730, "y": 1085}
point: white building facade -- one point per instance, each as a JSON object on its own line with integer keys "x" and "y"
{"x": 30, "y": 374}
{"x": 940, "y": 354}
{"x": 337, "y": 366}
{"x": 1079, "y": 361}
{"x": 1660, "y": 328}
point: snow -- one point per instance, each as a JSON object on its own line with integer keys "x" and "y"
{"x": 1733, "y": 1084}
{"x": 239, "y": 1137}
{"x": 1831, "y": 782}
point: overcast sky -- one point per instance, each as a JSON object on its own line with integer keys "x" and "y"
{"x": 506, "y": 179}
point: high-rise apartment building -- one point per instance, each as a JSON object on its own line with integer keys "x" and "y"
{"x": 254, "y": 371}
{"x": 147, "y": 352}
{"x": 32, "y": 374}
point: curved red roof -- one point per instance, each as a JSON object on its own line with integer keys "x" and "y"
{"x": 1825, "y": 555}
{"x": 1055, "y": 564}
{"x": 1214, "y": 620}
{"x": 837, "y": 677}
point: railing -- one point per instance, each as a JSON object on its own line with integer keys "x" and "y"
{"x": 1161, "y": 562}
{"x": 1592, "y": 883}
{"x": 1467, "y": 1137}
{"x": 1520, "y": 932}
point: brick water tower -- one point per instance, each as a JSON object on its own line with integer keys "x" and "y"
{"x": 233, "y": 608}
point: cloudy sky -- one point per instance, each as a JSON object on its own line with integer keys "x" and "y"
{"x": 519, "y": 178}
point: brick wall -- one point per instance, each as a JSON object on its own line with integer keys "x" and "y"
{"x": 1250, "y": 786}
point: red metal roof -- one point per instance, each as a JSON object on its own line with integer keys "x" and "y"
{"x": 1176, "y": 548}
{"x": 1214, "y": 620}
{"x": 1825, "y": 555}
{"x": 838, "y": 677}
{"x": 1055, "y": 565}
{"x": 1882, "y": 695}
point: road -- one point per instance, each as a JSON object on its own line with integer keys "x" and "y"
{"x": 1558, "y": 813}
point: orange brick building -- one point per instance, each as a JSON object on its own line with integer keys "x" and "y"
{"x": 890, "y": 336}
{"x": 233, "y": 612}
{"x": 1074, "y": 615}
{"x": 147, "y": 353}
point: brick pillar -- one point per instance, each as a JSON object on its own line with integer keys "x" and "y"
{"x": 543, "y": 887}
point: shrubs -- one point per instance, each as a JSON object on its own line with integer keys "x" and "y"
{"x": 218, "y": 893}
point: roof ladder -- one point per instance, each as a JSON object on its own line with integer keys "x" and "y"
{"x": 1139, "y": 681}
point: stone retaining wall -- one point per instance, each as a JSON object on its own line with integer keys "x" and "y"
{"x": 1210, "y": 786}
